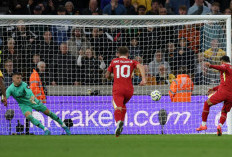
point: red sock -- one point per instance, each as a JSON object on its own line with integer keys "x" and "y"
{"x": 205, "y": 112}
{"x": 223, "y": 118}
{"x": 117, "y": 115}
{"x": 123, "y": 114}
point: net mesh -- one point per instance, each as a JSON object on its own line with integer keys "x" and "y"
{"x": 77, "y": 53}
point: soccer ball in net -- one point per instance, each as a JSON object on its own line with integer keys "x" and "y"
{"x": 156, "y": 95}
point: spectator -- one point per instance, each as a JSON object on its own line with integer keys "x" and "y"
{"x": 134, "y": 48}
{"x": 212, "y": 30}
{"x": 154, "y": 65}
{"x": 24, "y": 42}
{"x": 145, "y": 3}
{"x": 213, "y": 56}
{"x": 47, "y": 48}
{"x": 192, "y": 35}
{"x": 154, "y": 8}
{"x": 202, "y": 76}
{"x": 96, "y": 40}
{"x": 183, "y": 10}
{"x": 20, "y": 7}
{"x": 137, "y": 78}
{"x": 35, "y": 61}
{"x": 175, "y": 5}
{"x": 141, "y": 10}
{"x": 93, "y": 8}
{"x": 70, "y": 10}
{"x": 181, "y": 88}
{"x": 214, "y": 53}
{"x": 43, "y": 8}
{"x": 8, "y": 71}
{"x": 23, "y": 37}
{"x": 77, "y": 41}
{"x": 106, "y": 2}
{"x": 224, "y": 4}
{"x": 61, "y": 10}
{"x": 130, "y": 9}
{"x": 198, "y": 8}
{"x": 163, "y": 11}
{"x": 163, "y": 77}
{"x": 51, "y": 8}
{"x": 91, "y": 67}
{"x": 185, "y": 57}
{"x": 227, "y": 11}
{"x": 37, "y": 10}
{"x": 64, "y": 68}
{"x": 11, "y": 53}
{"x": 215, "y": 9}
{"x": 149, "y": 41}
{"x": 151, "y": 80}
{"x": 114, "y": 8}
{"x": 61, "y": 32}
{"x": 170, "y": 55}
{"x": 166, "y": 34}
{"x": 38, "y": 82}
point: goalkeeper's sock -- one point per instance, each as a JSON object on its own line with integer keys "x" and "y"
{"x": 223, "y": 118}
{"x": 56, "y": 118}
{"x": 36, "y": 122}
{"x": 117, "y": 115}
{"x": 205, "y": 112}
{"x": 123, "y": 114}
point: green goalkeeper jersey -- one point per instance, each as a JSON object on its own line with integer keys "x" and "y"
{"x": 21, "y": 93}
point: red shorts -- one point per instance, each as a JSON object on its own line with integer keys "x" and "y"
{"x": 222, "y": 96}
{"x": 120, "y": 98}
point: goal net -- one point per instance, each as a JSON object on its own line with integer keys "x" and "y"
{"x": 70, "y": 54}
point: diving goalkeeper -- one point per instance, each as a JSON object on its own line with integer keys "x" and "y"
{"x": 22, "y": 93}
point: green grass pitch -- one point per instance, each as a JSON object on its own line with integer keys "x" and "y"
{"x": 110, "y": 146}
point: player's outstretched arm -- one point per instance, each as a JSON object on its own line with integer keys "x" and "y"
{"x": 142, "y": 71}
{"x": 217, "y": 67}
{"x": 3, "y": 89}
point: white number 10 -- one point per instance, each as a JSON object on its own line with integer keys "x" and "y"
{"x": 120, "y": 71}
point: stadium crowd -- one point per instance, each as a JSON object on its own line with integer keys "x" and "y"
{"x": 80, "y": 56}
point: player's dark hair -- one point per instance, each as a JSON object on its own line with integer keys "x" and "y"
{"x": 225, "y": 59}
{"x": 123, "y": 50}
{"x": 16, "y": 73}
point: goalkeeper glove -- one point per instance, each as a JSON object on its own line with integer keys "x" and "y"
{"x": 32, "y": 100}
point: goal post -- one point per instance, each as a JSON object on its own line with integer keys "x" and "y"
{"x": 78, "y": 49}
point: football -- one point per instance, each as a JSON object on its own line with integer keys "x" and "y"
{"x": 156, "y": 95}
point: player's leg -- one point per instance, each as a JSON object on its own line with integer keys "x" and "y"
{"x": 42, "y": 108}
{"x": 212, "y": 100}
{"x": 126, "y": 100}
{"x": 118, "y": 104}
{"x": 58, "y": 120}
{"x": 36, "y": 122}
{"x": 27, "y": 110}
{"x": 225, "y": 109}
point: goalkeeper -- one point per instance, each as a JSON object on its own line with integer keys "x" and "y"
{"x": 22, "y": 93}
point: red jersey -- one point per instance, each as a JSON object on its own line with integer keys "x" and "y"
{"x": 226, "y": 77}
{"x": 122, "y": 69}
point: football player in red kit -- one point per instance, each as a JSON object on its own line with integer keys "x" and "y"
{"x": 122, "y": 69}
{"x": 221, "y": 93}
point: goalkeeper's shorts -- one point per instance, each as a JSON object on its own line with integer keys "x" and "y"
{"x": 28, "y": 107}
